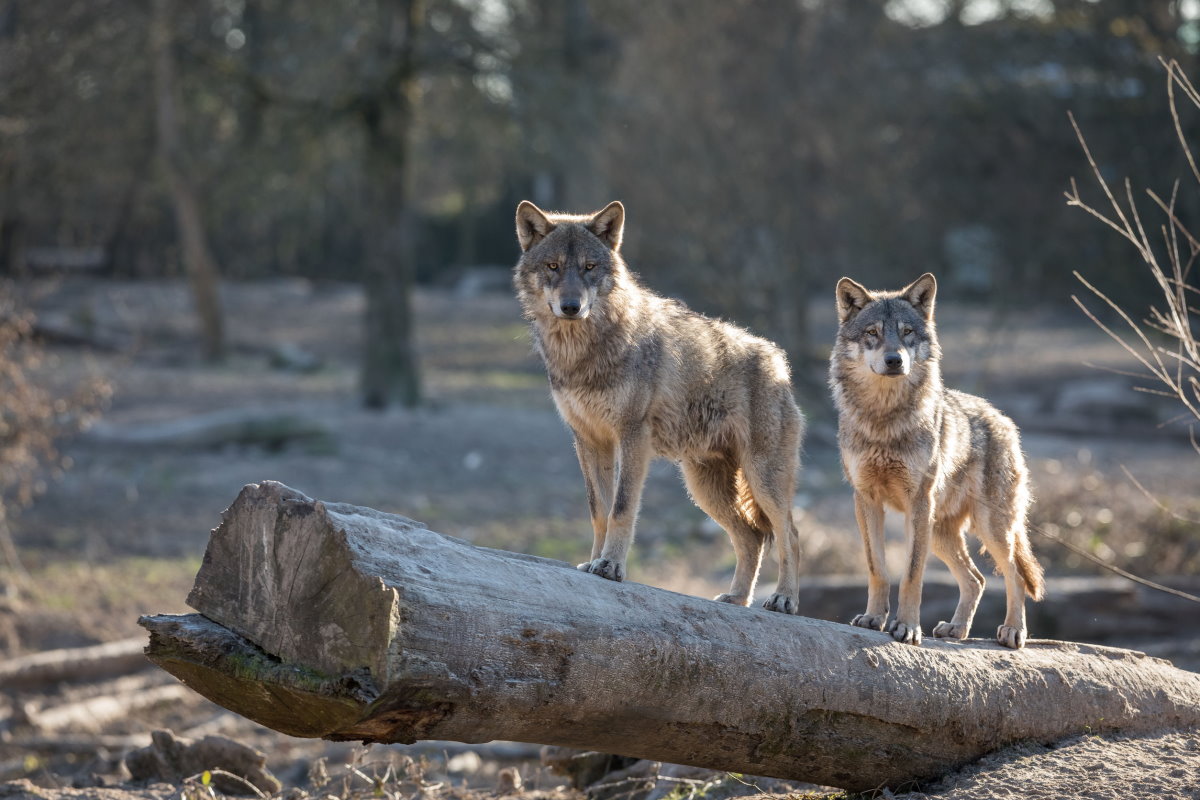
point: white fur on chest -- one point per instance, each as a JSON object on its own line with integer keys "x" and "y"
{"x": 590, "y": 414}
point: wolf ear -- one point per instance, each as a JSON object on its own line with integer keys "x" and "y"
{"x": 609, "y": 224}
{"x": 532, "y": 225}
{"x": 852, "y": 297}
{"x": 920, "y": 294}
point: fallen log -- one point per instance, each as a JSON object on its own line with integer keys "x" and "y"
{"x": 94, "y": 713}
{"x": 328, "y": 620}
{"x": 49, "y": 667}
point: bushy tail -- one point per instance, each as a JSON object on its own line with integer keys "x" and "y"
{"x": 1031, "y": 571}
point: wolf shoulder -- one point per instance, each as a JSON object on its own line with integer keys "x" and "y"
{"x": 698, "y": 341}
{"x": 979, "y": 409}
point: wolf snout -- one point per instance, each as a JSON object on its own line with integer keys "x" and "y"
{"x": 894, "y": 362}
{"x": 570, "y": 308}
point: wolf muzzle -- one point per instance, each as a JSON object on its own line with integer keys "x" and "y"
{"x": 570, "y": 307}
{"x": 894, "y": 363}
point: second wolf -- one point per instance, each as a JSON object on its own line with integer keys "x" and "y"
{"x": 948, "y": 460}
{"x": 636, "y": 375}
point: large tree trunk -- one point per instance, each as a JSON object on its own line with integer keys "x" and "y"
{"x": 329, "y": 620}
{"x": 390, "y": 367}
{"x": 198, "y": 261}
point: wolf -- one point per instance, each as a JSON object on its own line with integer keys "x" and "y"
{"x": 946, "y": 459}
{"x": 636, "y": 375}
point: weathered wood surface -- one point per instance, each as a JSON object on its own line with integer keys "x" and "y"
{"x": 329, "y": 620}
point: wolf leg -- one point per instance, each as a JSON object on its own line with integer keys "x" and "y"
{"x": 1013, "y": 632}
{"x": 633, "y": 460}
{"x": 918, "y": 524}
{"x": 870, "y": 524}
{"x": 713, "y": 485}
{"x": 596, "y": 463}
{"x": 997, "y": 538}
{"x": 951, "y": 547}
{"x": 771, "y": 489}
{"x": 996, "y": 529}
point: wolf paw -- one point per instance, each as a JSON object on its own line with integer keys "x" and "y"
{"x": 605, "y": 568}
{"x": 949, "y": 630}
{"x": 733, "y": 599}
{"x": 1012, "y": 637}
{"x": 904, "y": 632}
{"x": 875, "y": 622}
{"x": 782, "y": 603}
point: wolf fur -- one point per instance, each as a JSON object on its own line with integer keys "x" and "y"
{"x": 948, "y": 460}
{"x": 636, "y": 375}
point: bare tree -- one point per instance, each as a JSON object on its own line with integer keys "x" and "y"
{"x": 390, "y": 371}
{"x": 198, "y": 261}
{"x": 33, "y": 416}
{"x": 1169, "y": 256}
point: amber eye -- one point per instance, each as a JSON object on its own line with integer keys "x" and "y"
{"x": 552, "y": 265}
{"x": 589, "y": 265}
{"x": 906, "y": 330}
{"x": 872, "y": 331}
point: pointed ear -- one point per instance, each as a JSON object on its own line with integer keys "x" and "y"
{"x": 609, "y": 224}
{"x": 532, "y": 225}
{"x": 852, "y": 297}
{"x": 920, "y": 294}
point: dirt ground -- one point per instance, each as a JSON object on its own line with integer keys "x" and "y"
{"x": 121, "y": 532}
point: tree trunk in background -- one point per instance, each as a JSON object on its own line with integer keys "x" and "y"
{"x": 391, "y": 371}
{"x": 198, "y": 262}
{"x": 330, "y": 620}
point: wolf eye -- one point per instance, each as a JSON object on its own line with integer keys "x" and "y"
{"x": 589, "y": 265}
{"x": 873, "y": 331}
{"x": 552, "y": 265}
{"x": 906, "y": 330}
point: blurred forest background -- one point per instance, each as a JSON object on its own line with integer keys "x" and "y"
{"x": 761, "y": 146}
{"x": 256, "y": 239}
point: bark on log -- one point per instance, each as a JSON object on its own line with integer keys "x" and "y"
{"x": 328, "y": 620}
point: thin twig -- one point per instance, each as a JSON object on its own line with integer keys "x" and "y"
{"x": 1155, "y": 500}
{"x": 1113, "y": 568}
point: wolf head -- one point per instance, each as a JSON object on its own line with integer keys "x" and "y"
{"x": 568, "y": 262}
{"x": 888, "y": 333}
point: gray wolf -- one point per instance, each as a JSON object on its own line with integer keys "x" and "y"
{"x": 635, "y": 375}
{"x": 947, "y": 460}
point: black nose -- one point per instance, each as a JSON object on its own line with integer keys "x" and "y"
{"x": 893, "y": 360}
{"x": 569, "y": 307}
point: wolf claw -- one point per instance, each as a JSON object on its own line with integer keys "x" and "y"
{"x": 949, "y": 630}
{"x": 1011, "y": 637}
{"x": 874, "y": 622}
{"x": 606, "y": 568}
{"x": 904, "y": 632}
{"x": 781, "y": 603}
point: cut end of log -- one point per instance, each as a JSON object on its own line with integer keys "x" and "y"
{"x": 284, "y": 554}
{"x": 239, "y": 675}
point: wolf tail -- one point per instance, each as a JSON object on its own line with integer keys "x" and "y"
{"x": 1028, "y": 566}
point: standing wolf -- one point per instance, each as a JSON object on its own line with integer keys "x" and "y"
{"x": 636, "y": 375}
{"x": 944, "y": 458}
